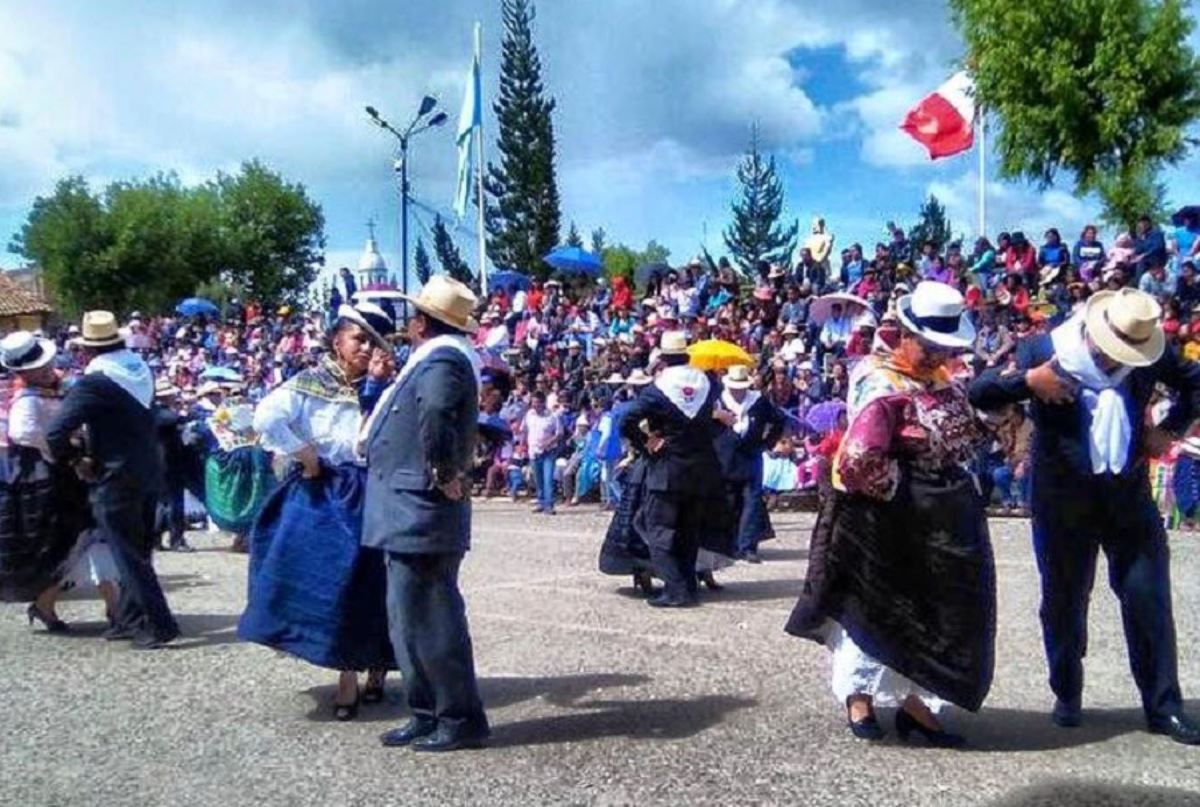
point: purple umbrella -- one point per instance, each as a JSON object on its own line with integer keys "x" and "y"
{"x": 824, "y": 417}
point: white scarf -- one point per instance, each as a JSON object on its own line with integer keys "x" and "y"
{"x": 686, "y": 387}
{"x": 741, "y": 410}
{"x": 1109, "y": 431}
{"x": 127, "y": 370}
{"x": 454, "y": 341}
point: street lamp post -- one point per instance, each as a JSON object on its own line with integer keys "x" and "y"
{"x": 420, "y": 123}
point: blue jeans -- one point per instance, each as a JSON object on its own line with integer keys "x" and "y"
{"x": 543, "y": 477}
{"x": 1003, "y": 477}
{"x": 610, "y": 486}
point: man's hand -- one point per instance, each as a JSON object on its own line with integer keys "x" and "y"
{"x": 310, "y": 463}
{"x": 452, "y": 490}
{"x": 655, "y": 443}
{"x": 1048, "y": 386}
{"x": 727, "y": 418}
{"x": 382, "y": 366}
{"x": 85, "y": 469}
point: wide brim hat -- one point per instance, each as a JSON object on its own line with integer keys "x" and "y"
{"x": 1126, "y": 326}
{"x": 639, "y": 378}
{"x": 24, "y": 351}
{"x": 615, "y": 378}
{"x": 448, "y": 301}
{"x": 737, "y": 377}
{"x": 100, "y": 329}
{"x": 371, "y": 318}
{"x": 936, "y": 313}
{"x": 1049, "y": 274}
{"x": 673, "y": 343}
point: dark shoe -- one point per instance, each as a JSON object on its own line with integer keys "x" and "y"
{"x": 866, "y": 729}
{"x": 1179, "y": 728}
{"x": 644, "y": 582}
{"x": 1066, "y": 715}
{"x": 405, "y": 735}
{"x": 664, "y": 601}
{"x": 906, "y": 724}
{"x": 372, "y": 693}
{"x": 444, "y": 739}
{"x": 52, "y": 623}
{"x": 117, "y": 633}
{"x": 709, "y": 581}
{"x": 151, "y": 641}
{"x": 345, "y": 712}
{"x": 750, "y": 557}
{"x": 182, "y": 546}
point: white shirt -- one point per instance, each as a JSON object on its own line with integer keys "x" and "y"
{"x": 29, "y": 416}
{"x": 288, "y": 421}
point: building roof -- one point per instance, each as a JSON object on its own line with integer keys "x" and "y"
{"x": 16, "y": 300}
{"x": 371, "y": 261}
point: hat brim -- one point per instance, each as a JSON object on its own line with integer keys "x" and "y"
{"x": 49, "y": 351}
{"x": 116, "y": 339}
{"x": 736, "y": 384}
{"x": 348, "y": 312}
{"x": 1112, "y": 345}
{"x": 469, "y": 326}
{"x": 961, "y": 339}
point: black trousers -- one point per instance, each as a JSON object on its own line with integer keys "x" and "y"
{"x": 671, "y": 524}
{"x": 1068, "y": 535}
{"x": 428, "y": 625}
{"x": 127, "y": 523}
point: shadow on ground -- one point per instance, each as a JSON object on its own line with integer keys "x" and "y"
{"x": 1077, "y": 793}
{"x": 1017, "y": 730}
{"x": 755, "y": 591}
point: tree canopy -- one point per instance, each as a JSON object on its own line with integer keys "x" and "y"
{"x": 756, "y": 234}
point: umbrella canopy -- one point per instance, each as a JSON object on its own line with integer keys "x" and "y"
{"x": 822, "y": 307}
{"x": 643, "y": 274}
{"x": 1186, "y": 210}
{"x": 717, "y": 354}
{"x": 221, "y": 374}
{"x": 197, "y": 306}
{"x": 508, "y": 280}
{"x": 823, "y": 417}
{"x": 493, "y": 427}
{"x": 574, "y": 261}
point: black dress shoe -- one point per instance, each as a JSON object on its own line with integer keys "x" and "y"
{"x": 406, "y": 735}
{"x": 1066, "y": 715}
{"x": 117, "y": 633}
{"x": 906, "y": 724}
{"x": 446, "y": 739}
{"x": 153, "y": 641}
{"x": 663, "y": 601}
{"x": 1179, "y": 728}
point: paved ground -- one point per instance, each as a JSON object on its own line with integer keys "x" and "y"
{"x": 595, "y": 698}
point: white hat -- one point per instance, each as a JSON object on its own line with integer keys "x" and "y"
{"x": 791, "y": 330}
{"x": 673, "y": 343}
{"x": 447, "y": 301}
{"x": 1049, "y": 274}
{"x": 934, "y": 312}
{"x": 615, "y": 378}
{"x": 100, "y": 330}
{"x": 1127, "y": 326}
{"x": 208, "y": 388}
{"x": 639, "y": 378}
{"x": 371, "y": 318}
{"x": 737, "y": 377}
{"x": 21, "y": 350}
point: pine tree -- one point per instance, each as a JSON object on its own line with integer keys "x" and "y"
{"x": 523, "y": 216}
{"x": 756, "y": 234}
{"x": 448, "y": 255}
{"x": 599, "y": 241}
{"x": 932, "y": 226}
{"x": 574, "y": 239}
{"x": 421, "y": 262}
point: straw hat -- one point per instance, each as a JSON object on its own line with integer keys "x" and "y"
{"x": 22, "y": 350}
{"x": 638, "y": 378}
{"x": 208, "y": 388}
{"x": 100, "y": 330}
{"x": 447, "y": 301}
{"x": 1126, "y": 326}
{"x": 934, "y": 312}
{"x": 1049, "y": 274}
{"x": 163, "y": 388}
{"x": 791, "y": 330}
{"x": 615, "y": 378}
{"x": 674, "y": 343}
{"x": 737, "y": 377}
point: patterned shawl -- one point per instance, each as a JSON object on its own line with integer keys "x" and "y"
{"x": 327, "y": 381}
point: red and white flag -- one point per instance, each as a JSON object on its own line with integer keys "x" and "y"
{"x": 943, "y": 122}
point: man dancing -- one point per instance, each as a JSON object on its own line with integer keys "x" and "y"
{"x": 1091, "y": 380}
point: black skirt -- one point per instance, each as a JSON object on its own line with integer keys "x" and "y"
{"x": 624, "y": 550}
{"x": 911, "y": 580}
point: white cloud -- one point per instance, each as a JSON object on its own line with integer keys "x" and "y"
{"x": 1012, "y": 207}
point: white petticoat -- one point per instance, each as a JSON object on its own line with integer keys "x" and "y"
{"x": 89, "y": 564}
{"x": 856, "y": 673}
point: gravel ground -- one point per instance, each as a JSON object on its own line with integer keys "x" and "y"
{"x": 595, "y": 698}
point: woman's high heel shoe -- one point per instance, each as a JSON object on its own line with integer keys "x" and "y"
{"x": 372, "y": 693}
{"x": 53, "y": 624}
{"x": 644, "y": 582}
{"x": 344, "y": 713}
{"x": 906, "y": 724}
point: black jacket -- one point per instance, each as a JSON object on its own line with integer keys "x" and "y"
{"x": 687, "y": 463}
{"x": 121, "y": 437}
{"x": 739, "y": 454}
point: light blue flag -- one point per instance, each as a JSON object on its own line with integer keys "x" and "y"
{"x": 470, "y": 120}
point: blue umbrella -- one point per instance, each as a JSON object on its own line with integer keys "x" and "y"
{"x": 508, "y": 280}
{"x": 221, "y": 374}
{"x": 195, "y": 306}
{"x": 574, "y": 261}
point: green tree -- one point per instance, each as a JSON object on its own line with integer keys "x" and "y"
{"x": 620, "y": 260}
{"x": 932, "y": 226}
{"x": 573, "y": 237}
{"x": 448, "y": 255}
{"x": 1101, "y": 90}
{"x": 599, "y": 241}
{"x": 421, "y": 262}
{"x": 273, "y": 234}
{"x": 523, "y": 216}
{"x": 755, "y": 234}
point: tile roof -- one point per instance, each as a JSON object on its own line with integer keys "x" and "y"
{"x": 15, "y": 299}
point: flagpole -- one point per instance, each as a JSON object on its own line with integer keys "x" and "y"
{"x": 483, "y": 283}
{"x": 982, "y": 118}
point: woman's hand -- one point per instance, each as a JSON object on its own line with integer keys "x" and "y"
{"x": 309, "y": 461}
{"x": 1048, "y": 386}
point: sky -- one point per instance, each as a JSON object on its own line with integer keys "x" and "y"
{"x": 655, "y": 104}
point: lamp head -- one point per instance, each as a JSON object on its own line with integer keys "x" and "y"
{"x": 427, "y": 105}
{"x": 373, "y": 112}
{"x": 438, "y": 119}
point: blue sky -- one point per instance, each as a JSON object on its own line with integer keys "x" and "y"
{"x": 655, "y": 105}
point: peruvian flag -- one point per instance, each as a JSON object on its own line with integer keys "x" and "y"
{"x": 943, "y": 121}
